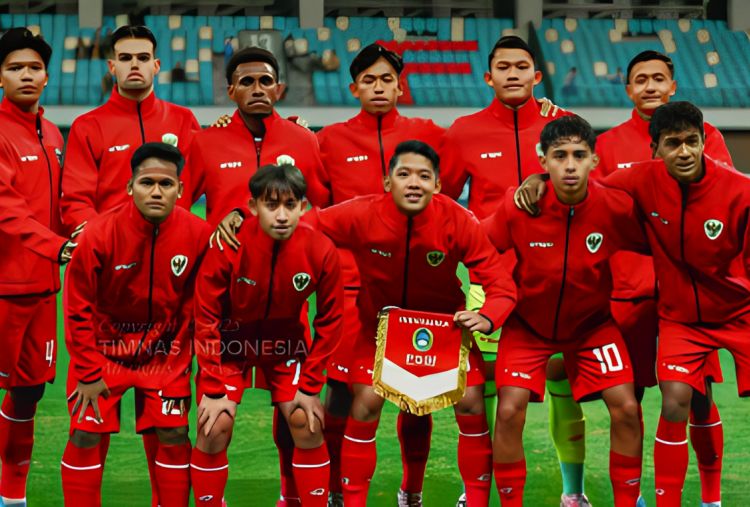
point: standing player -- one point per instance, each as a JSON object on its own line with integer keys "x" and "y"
{"x": 391, "y": 236}
{"x": 102, "y": 142}
{"x": 496, "y": 149}
{"x": 650, "y": 84}
{"x": 32, "y": 251}
{"x": 363, "y": 145}
{"x": 261, "y": 290}
{"x": 129, "y": 305}
{"x": 563, "y": 264}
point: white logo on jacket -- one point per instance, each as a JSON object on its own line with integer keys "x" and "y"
{"x": 625, "y": 166}
{"x": 359, "y": 158}
{"x": 231, "y": 165}
{"x": 119, "y": 148}
{"x": 492, "y": 155}
{"x": 541, "y": 245}
{"x": 30, "y": 158}
{"x": 125, "y": 266}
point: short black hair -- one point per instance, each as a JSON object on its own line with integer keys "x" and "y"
{"x": 647, "y": 56}
{"x": 162, "y": 151}
{"x": 418, "y": 148}
{"x": 567, "y": 128}
{"x": 371, "y": 54}
{"x": 250, "y": 55}
{"x": 133, "y": 32}
{"x": 19, "y": 38}
{"x": 675, "y": 117}
{"x": 511, "y": 42}
{"x": 282, "y": 179}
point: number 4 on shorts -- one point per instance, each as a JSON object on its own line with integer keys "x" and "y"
{"x": 609, "y": 358}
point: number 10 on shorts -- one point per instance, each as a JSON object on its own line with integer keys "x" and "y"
{"x": 609, "y": 358}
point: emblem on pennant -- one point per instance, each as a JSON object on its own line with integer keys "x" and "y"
{"x": 713, "y": 228}
{"x": 301, "y": 280}
{"x": 594, "y": 241}
{"x": 422, "y": 339}
{"x": 435, "y": 258}
{"x": 179, "y": 263}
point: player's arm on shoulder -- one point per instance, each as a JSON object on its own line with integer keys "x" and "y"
{"x": 339, "y": 222}
{"x": 318, "y": 184}
{"x": 628, "y": 225}
{"x": 80, "y": 173}
{"x": 530, "y": 192}
{"x": 453, "y": 171}
{"x": 497, "y": 225}
{"x": 715, "y": 146}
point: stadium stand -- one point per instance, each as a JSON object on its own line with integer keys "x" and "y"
{"x": 582, "y": 59}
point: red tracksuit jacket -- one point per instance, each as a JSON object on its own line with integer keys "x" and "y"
{"x": 254, "y": 297}
{"x": 101, "y": 144}
{"x": 618, "y": 148}
{"x": 355, "y": 158}
{"x": 411, "y": 262}
{"x": 563, "y": 274}
{"x": 30, "y": 241}
{"x": 222, "y": 161}
{"x": 496, "y": 148}
{"x": 129, "y": 297}
{"x": 698, "y": 235}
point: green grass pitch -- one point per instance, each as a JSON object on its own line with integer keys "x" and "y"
{"x": 253, "y": 471}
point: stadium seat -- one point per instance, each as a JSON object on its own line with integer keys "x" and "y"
{"x": 81, "y": 90}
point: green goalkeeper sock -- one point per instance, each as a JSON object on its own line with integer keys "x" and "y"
{"x": 568, "y": 430}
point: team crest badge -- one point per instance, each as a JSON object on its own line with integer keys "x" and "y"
{"x": 179, "y": 263}
{"x": 713, "y": 228}
{"x": 594, "y": 241}
{"x": 422, "y": 339}
{"x": 301, "y": 280}
{"x": 435, "y": 258}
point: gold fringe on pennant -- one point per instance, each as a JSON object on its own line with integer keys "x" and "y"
{"x": 403, "y": 401}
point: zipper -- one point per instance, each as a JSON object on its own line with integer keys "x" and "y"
{"x": 406, "y": 262}
{"x": 518, "y": 147}
{"x": 140, "y": 121}
{"x": 270, "y": 283}
{"x": 257, "y": 151}
{"x": 51, "y": 189}
{"x": 380, "y": 142}
{"x": 685, "y": 190}
{"x": 150, "y": 295}
{"x": 565, "y": 272}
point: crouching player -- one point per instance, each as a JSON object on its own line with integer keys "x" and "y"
{"x": 563, "y": 265}
{"x": 129, "y": 303}
{"x": 247, "y": 313}
{"x": 407, "y": 244}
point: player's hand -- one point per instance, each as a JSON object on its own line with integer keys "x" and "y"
{"x": 210, "y": 409}
{"x": 299, "y": 121}
{"x": 183, "y": 403}
{"x": 227, "y": 230}
{"x": 67, "y": 252}
{"x": 88, "y": 394}
{"x": 312, "y": 407}
{"x": 223, "y": 121}
{"x": 472, "y": 321}
{"x": 528, "y": 194}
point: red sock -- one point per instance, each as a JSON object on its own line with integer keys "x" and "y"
{"x": 81, "y": 472}
{"x": 16, "y": 444}
{"x": 334, "y": 435}
{"x": 282, "y": 437}
{"x": 358, "y": 460}
{"x": 625, "y": 474}
{"x": 208, "y": 474}
{"x": 670, "y": 462}
{"x": 312, "y": 468}
{"x": 510, "y": 479}
{"x": 414, "y": 433}
{"x": 475, "y": 457}
{"x": 173, "y": 474}
{"x": 707, "y": 438}
{"x": 151, "y": 446}
{"x": 104, "y": 449}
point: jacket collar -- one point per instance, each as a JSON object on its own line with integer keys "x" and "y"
{"x": 712, "y": 170}
{"x": 268, "y": 121}
{"x": 131, "y": 106}
{"x": 638, "y": 121}
{"x": 370, "y": 121}
{"x": 143, "y": 226}
{"x": 397, "y": 221}
{"x": 28, "y": 120}
{"x": 553, "y": 206}
{"x": 266, "y": 243}
{"x": 527, "y": 114}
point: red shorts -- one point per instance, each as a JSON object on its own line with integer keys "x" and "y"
{"x": 339, "y": 362}
{"x": 281, "y": 379}
{"x": 149, "y": 407}
{"x": 639, "y": 324}
{"x": 686, "y": 350}
{"x": 28, "y": 331}
{"x": 362, "y": 365}
{"x": 596, "y": 361}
